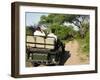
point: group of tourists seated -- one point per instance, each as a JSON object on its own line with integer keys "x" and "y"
{"x": 40, "y": 32}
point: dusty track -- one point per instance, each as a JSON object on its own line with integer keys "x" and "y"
{"x": 76, "y": 56}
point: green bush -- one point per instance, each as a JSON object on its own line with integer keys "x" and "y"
{"x": 29, "y": 31}
{"x": 63, "y": 32}
{"x": 84, "y": 43}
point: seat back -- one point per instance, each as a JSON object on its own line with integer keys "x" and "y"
{"x": 30, "y": 40}
{"x": 40, "y": 42}
{"x": 50, "y": 42}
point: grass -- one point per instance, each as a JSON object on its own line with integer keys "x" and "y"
{"x": 84, "y": 46}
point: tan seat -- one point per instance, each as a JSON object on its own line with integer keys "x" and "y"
{"x": 31, "y": 40}
{"x": 50, "y": 43}
{"x": 39, "y": 41}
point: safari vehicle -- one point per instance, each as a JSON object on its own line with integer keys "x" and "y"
{"x": 43, "y": 50}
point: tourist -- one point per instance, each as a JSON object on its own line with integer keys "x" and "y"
{"x": 39, "y": 32}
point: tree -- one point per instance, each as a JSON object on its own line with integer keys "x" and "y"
{"x": 51, "y": 19}
{"x": 30, "y": 30}
{"x": 59, "y": 19}
{"x": 79, "y": 21}
{"x": 43, "y": 19}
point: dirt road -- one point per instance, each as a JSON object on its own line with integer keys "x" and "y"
{"x": 76, "y": 57}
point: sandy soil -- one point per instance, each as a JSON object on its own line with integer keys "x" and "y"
{"x": 76, "y": 57}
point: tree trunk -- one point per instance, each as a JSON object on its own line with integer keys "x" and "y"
{"x": 81, "y": 32}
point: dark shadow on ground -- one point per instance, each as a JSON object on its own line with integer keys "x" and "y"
{"x": 64, "y": 57}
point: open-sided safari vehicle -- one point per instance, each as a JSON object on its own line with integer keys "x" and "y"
{"x": 43, "y": 50}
